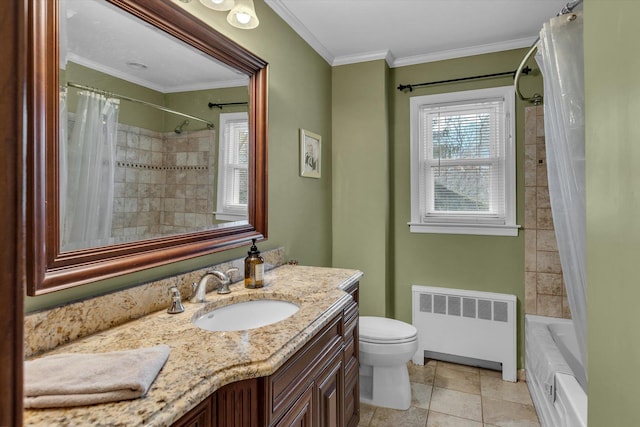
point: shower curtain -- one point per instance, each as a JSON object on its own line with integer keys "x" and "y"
{"x": 560, "y": 56}
{"x": 87, "y": 172}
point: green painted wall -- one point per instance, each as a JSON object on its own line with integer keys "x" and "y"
{"x": 196, "y": 103}
{"x": 299, "y": 208}
{"x": 130, "y": 113}
{"x": 361, "y": 178}
{"x": 371, "y": 188}
{"x": 483, "y": 263}
{"x": 612, "y": 98}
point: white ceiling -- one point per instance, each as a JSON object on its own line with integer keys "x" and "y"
{"x": 406, "y": 32}
{"x": 403, "y": 32}
{"x": 101, "y": 36}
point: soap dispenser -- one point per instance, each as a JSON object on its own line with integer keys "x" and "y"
{"x": 253, "y": 268}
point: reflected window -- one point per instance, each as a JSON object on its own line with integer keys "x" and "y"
{"x": 233, "y": 167}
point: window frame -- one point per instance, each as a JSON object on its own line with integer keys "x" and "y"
{"x": 463, "y": 223}
{"x": 226, "y": 211}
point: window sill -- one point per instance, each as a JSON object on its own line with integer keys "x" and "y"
{"x": 475, "y": 229}
{"x": 230, "y": 217}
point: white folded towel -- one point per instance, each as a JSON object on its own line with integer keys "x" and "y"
{"x": 76, "y": 379}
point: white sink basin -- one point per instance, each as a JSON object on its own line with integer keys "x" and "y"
{"x": 245, "y": 315}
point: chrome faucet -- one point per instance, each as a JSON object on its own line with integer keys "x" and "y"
{"x": 200, "y": 288}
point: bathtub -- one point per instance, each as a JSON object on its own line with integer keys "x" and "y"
{"x": 555, "y": 375}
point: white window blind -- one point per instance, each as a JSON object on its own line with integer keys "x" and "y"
{"x": 233, "y": 162}
{"x": 463, "y": 166}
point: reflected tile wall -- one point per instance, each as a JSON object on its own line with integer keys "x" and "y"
{"x": 163, "y": 182}
{"x": 545, "y": 293}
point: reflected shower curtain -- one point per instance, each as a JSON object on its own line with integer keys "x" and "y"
{"x": 88, "y": 190}
{"x": 560, "y": 56}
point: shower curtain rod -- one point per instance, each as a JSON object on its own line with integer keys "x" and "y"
{"x": 226, "y": 104}
{"x": 139, "y": 101}
{"x": 484, "y": 76}
{"x": 536, "y": 99}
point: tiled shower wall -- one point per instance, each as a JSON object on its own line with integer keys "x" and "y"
{"x": 545, "y": 292}
{"x": 164, "y": 182}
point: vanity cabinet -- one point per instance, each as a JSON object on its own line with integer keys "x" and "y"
{"x": 200, "y": 416}
{"x": 317, "y": 386}
{"x": 351, "y": 355}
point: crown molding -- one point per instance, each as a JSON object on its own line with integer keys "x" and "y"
{"x": 364, "y": 57}
{"x": 281, "y": 10}
{"x": 460, "y": 53}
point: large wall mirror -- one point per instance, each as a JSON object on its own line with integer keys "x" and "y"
{"x": 147, "y": 132}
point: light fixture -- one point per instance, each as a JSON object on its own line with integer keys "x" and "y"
{"x": 135, "y": 65}
{"x": 221, "y": 5}
{"x": 243, "y": 15}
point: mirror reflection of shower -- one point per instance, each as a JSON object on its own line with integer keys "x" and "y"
{"x": 179, "y": 128}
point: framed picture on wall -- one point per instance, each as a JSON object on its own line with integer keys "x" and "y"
{"x": 310, "y": 150}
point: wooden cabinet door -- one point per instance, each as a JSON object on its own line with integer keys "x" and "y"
{"x": 200, "y": 416}
{"x": 237, "y": 404}
{"x": 330, "y": 389}
{"x": 301, "y": 413}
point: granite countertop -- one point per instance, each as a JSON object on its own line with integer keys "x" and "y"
{"x": 200, "y": 361}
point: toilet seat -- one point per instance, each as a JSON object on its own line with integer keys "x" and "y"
{"x": 381, "y": 330}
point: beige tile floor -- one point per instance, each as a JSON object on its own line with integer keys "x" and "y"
{"x": 450, "y": 395}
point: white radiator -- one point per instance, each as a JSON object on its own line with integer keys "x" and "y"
{"x": 470, "y": 326}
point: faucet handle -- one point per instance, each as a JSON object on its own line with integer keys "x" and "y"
{"x": 224, "y": 283}
{"x": 229, "y": 273}
{"x": 176, "y": 300}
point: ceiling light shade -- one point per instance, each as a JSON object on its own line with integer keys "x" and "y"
{"x": 243, "y": 15}
{"x": 222, "y": 5}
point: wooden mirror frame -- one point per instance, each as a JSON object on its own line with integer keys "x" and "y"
{"x": 47, "y": 268}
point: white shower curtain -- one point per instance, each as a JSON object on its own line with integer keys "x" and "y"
{"x": 90, "y": 173}
{"x": 560, "y": 56}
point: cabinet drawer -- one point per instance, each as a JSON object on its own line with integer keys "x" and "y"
{"x": 287, "y": 384}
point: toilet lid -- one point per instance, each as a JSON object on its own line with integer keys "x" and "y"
{"x": 383, "y": 330}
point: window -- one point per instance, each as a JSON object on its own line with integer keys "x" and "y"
{"x": 233, "y": 162}
{"x": 463, "y": 163}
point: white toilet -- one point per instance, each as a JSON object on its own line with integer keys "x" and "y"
{"x": 386, "y": 345}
